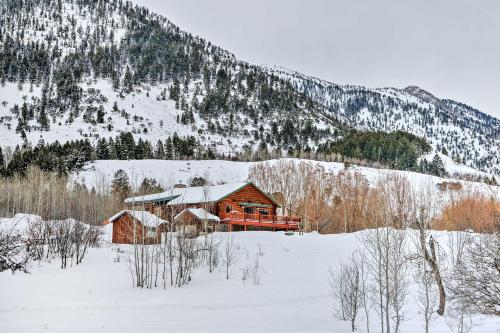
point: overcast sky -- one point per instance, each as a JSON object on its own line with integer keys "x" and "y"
{"x": 448, "y": 47}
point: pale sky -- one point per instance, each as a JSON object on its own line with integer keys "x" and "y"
{"x": 448, "y": 47}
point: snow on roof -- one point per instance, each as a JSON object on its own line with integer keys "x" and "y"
{"x": 199, "y": 213}
{"x": 190, "y": 195}
{"x": 146, "y": 218}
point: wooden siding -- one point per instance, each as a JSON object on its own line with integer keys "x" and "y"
{"x": 248, "y": 194}
{"x": 123, "y": 231}
{"x": 188, "y": 219}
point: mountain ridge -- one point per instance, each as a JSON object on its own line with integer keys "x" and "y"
{"x": 94, "y": 69}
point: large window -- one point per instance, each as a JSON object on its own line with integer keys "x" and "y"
{"x": 250, "y": 210}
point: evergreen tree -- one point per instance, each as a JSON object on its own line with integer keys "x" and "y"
{"x": 2, "y": 159}
{"x": 115, "y": 108}
{"x": 169, "y": 149}
{"x": 43, "y": 120}
{"x": 437, "y": 166}
{"x": 100, "y": 114}
{"x": 120, "y": 186}
{"x": 128, "y": 80}
{"x": 198, "y": 181}
{"x": 149, "y": 186}
{"x": 102, "y": 150}
{"x": 160, "y": 151}
{"x": 175, "y": 91}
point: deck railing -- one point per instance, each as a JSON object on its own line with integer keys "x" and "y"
{"x": 260, "y": 218}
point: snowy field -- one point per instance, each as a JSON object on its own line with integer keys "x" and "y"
{"x": 293, "y": 294}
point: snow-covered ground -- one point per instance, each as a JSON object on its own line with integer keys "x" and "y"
{"x": 293, "y": 294}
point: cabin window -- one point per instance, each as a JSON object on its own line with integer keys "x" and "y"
{"x": 250, "y": 210}
{"x": 264, "y": 212}
{"x": 229, "y": 209}
{"x": 151, "y": 232}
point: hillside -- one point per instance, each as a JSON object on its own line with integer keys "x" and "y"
{"x": 468, "y": 135}
{"x": 99, "y": 174}
{"x": 94, "y": 69}
{"x": 77, "y": 69}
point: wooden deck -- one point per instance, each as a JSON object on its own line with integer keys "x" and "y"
{"x": 257, "y": 220}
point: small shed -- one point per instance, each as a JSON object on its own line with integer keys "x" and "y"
{"x": 194, "y": 221}
{"x": 148, "y": 227}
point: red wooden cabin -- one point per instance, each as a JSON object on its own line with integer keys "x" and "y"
{"x": 239, "y": 206}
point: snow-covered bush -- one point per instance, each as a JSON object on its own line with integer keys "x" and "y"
{"x": 28, "y": 237}
{"x": 72, "y": 240}
{"x": 12, "y": 251}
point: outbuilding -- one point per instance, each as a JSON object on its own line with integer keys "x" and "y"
{"x": 136, "y": 226}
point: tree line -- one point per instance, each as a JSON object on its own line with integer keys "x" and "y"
{"x": 398, "y": 150}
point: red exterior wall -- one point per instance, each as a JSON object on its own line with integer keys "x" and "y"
{"x": 123, "y": 231}
{"x": 248, "y": 193}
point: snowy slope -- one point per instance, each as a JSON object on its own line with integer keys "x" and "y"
{"x": 293, "y": 294}
{"x": 137, "y": 112}
{"x": 100, "y": 174}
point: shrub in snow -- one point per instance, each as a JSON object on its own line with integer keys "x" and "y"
{"x": 28, "y": 237}
{"x": 14, "y": 255}
{"x": 475, "y": 282}
{"x": 253, "y": 271}
{"x": 346, "y": 289}
{"x": 12, "y": 251}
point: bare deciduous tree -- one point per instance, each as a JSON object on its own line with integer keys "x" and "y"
{"x": 230, "y": 253}
{"x": 426, "y": 296}
{"x": 346, "y": 286}
{"x": 475, "y": 282}
{"x": 386, "y": 257}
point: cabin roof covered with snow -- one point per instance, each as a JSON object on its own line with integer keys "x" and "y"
{"x": 192, "y": 195}
{"x": 199, "y": 213}
{"x": 146, "y": 218}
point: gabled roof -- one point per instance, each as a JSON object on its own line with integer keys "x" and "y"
{"x": 200, "y": 213}
{"x": 146, "y": 218}
{"x": 195, "y": 194}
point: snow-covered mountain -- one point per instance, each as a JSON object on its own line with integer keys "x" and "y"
{"x": 74, "y": 69}
{"x": 466, "y": 134}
